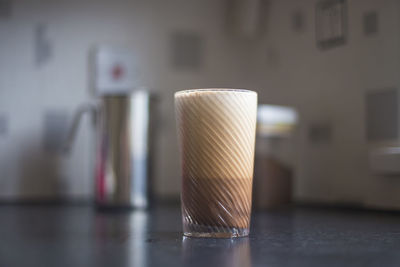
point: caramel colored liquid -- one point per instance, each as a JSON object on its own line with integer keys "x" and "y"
{"x": 217, "y": 202}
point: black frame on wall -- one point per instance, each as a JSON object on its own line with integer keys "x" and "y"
{"x": 331, "y": 23}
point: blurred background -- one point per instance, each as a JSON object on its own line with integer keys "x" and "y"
{"x": 333, "y": 65}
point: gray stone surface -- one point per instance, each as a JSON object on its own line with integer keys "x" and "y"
{"x": 80, "y": 236}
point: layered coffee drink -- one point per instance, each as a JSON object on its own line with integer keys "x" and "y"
{"x": 216, "y": 129}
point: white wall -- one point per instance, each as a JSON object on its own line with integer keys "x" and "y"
{"x": 74, "y": 27}
{"x": 330, "y": 85}
{"x": 284, "y": 66}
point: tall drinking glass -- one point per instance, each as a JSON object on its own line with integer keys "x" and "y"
{"x": 216, "y": 132}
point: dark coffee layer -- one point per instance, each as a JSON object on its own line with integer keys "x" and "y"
{"x": 217, "y": 202}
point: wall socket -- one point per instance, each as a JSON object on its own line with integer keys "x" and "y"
{"x": 55, "y": 130}
{"x": 320, "y": 132}
{"x": 187, "y": 50}
{"x": 43, "y": 47}
{"x": 298, "y": 21}
{"x": 371, "y": 23}
{"x": 3, "y": 125}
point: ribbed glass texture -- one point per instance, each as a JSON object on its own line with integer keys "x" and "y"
{"x": 216, "y": 130}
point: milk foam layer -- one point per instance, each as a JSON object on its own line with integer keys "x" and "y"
{"x": 217, "y": 132}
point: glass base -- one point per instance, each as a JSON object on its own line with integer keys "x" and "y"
{"x": 192, "y": 230}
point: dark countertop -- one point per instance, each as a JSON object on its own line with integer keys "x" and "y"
{"x": 80, "y": 236}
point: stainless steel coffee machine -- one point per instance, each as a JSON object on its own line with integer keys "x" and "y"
{"x": 124, "y": 148}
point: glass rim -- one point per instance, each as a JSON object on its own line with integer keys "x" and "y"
{"x": 206, "y": 90}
